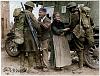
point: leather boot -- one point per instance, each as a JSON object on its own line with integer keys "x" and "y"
{"x": 80, "y": 54}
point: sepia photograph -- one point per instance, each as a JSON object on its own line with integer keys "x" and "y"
{"x": 49, "y": 37}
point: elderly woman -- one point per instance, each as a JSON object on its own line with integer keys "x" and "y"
{"x": 61, "y": 51}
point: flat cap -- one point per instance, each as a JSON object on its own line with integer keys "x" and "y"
{"x": 43, "y": 9}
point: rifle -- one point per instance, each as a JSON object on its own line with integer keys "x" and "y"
{"x": 32, "y": 30}
{"x": 33, "y": 33}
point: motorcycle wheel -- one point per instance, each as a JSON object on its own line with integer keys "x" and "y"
{"x": 91, "y": 56}
{"x": 11, "y": 48}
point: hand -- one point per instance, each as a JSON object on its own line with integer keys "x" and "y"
{"x": 43, "y": 25}
{"x": 66, "y": 29}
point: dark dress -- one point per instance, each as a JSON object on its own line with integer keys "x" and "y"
{"x": 61, "y": 51}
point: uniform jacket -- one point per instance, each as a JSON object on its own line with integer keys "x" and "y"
{"x": 34, "y": 21}
{"x": 22, "y": 25}
{"x": 20, "y": 20}
{"x": 81, "y": 25}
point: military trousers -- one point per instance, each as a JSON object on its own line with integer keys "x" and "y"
{"x": 89, "y": 36}
{"x": 27, "y": 60}
{"x": 79, "y": 47}
{"x": 29, "y": 52}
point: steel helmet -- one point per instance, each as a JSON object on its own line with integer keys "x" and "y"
{"x": 29, "y": 3}
{"x": 86, "y": 9}
{"x": 71, "y": 4}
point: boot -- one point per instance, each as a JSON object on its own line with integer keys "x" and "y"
{"x": 80, "y": 69}
{"x": 32, "y": 70}
{"x": 22, "y": 62}
{"x": 31, "y": 63}
{"x": 80, "y": 54}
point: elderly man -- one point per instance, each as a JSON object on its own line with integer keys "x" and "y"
{"x": 45, "y": 25}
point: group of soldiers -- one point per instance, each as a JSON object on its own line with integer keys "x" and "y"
{"x": 80, "y": 22}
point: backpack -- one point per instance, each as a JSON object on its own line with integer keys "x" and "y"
{"x": 79, "y": 29}
{"x": 19, "y": 37}
{"x": 86, "y": 20}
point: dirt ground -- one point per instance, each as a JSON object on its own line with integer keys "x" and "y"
{"x": 10, "y": 66}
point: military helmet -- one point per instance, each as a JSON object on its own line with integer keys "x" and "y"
{"x": 16, "y": 12}
{"x": 87, "y": 9}
{"x": 71, "y": 4}
{"x": 29, "y": 3}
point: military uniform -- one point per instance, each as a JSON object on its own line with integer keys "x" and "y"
{"x": 87, "y": 23}
{"x": 80, "y": 26}
{"x": 29, "y": 47}
{"x": 77, "y": 43}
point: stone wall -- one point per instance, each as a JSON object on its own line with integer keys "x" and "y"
{"x": 95, "y": 12}
{"x": 4, "y": 18}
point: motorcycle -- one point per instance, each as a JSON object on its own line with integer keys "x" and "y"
{"x": 11, "y": 46}
{"x": 91, "y": 54}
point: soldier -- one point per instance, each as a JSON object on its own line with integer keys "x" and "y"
{"x": 88, "y": 24}
{"x": 29, "y": 47}
{"x": 80, "y": 27}
{"x": 45, "y": 24}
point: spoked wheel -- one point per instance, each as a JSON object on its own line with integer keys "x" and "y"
{"x": 11, "y": 48}
{"x": 91, "y": 56}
